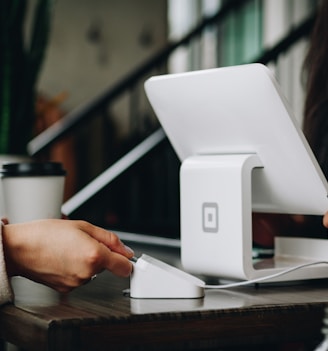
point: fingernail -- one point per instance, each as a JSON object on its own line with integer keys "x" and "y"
{"x": 129, "y": 250}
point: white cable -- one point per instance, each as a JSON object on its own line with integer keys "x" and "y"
{"x": 261, "y": 279}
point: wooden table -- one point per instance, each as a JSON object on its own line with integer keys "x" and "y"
{"x": 98, "y": 316}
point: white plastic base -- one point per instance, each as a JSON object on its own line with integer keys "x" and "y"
{"x": 216, "y": 224}
{"x": 152, "y": 278}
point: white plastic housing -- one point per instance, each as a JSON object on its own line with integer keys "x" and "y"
{"x": 152, "y": 278}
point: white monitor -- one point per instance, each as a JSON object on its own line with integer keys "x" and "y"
{"x": 241, "y": 110}
{"x": 241, "y": 151}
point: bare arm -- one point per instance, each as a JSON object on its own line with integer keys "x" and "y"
{"x": 63, "y": 254}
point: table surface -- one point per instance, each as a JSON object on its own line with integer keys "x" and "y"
{"x": 99, "y": 316}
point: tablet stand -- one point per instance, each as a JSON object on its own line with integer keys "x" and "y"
{"x": 216, "y": 224}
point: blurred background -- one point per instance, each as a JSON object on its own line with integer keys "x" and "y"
{"x": 98, "y": 56}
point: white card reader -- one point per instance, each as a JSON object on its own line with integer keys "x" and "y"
{"x": 152, "y": 278}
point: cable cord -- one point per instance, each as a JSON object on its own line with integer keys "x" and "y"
{"x": 262, "y": 279}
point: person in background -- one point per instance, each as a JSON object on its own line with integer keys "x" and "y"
{"x": 315, "y": 123}
{"x": 62, "y": 254}
{"x": 315, "y": 128}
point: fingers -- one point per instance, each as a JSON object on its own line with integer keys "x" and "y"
{"x": 114, "y": 254}
{"x": 108, "y": 238}
{"x": 116, "y": 263}
{"x": 100, "y": 257}
{"x": 325, "y": 220}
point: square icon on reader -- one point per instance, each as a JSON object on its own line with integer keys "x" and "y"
{"x": 210, "y": 217}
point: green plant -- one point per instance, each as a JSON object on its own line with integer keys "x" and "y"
{"x": 22, "y": 54}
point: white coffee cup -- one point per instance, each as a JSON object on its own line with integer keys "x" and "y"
{"x": 32, "y": 190}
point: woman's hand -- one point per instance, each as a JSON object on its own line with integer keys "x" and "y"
{"x": 325, "y": 220}
{"x": 63, "y": 254}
